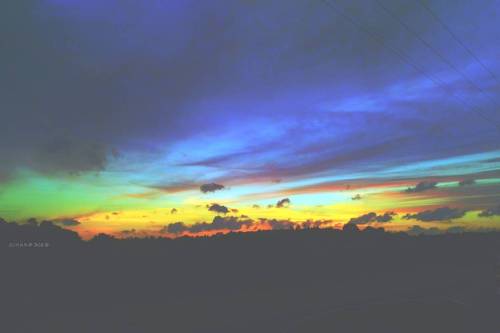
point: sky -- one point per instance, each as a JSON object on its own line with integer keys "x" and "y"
{"x": 172, "y": 118}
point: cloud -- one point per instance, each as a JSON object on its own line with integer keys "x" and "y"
{"x": 234, "y": 223}
{"x": 310, "y": 224}
{"x": 356, "y": 197}
{"x": 275, "y": 224}
{"x": 495, "y": 211}
{"x": 283, "y": 203}
{"x": 386, "y": 217}
{"x": 373, "y": 230}
{"x": 72, "y": 156}
{"x": 69, "y": 223}
{"x": 438, "y": 214}
{"x": 212, "y": 187}
{"x": 421, "y": 187}
{"x": 95, "y": 69}
{"x": 467, "y": 182}
{"x": 350, "y": 227}
{"x": 218, "y": 208}
{"x": 175, "y": 228}
{"x": 372, "y": 217}
{"x": 363, "y": 219}
{"x": 278, "y": 224}
{"x": 219, "y": 223}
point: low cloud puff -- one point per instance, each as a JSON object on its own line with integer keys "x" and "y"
{"x": 175, "y": 228}
{"x": 212, "y": 187}
{"x": 356, "y": 197}
{"x": 283, "y": 203}
{"x": 218, "y": 208}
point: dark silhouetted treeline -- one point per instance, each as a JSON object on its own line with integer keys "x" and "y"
{"x": 314, "y": 280}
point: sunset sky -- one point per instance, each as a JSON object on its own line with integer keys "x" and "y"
{"x": 123, "y": 117}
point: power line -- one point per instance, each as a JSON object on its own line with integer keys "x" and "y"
{"x": 455, "y": 37}
{"x": 332, "y": 4}
{"x": 433, "y": 49}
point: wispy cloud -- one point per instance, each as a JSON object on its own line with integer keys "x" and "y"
{"x": 438, "y": 214}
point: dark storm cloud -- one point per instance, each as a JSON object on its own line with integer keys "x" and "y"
{"x": 211, "y": 187}
{"x": 438, "y": 214}
{"x": 99, "y": 74}
{"x": 495, "y": 211}
{"x": 421, "y": 187}
{"x": 372, "y": 217}
{"x": 63, "y": 154}
{"x": 215, "y": 207}
{"x": 283, "y": 203}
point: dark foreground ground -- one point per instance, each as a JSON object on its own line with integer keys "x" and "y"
{"x": 280, "y": 281}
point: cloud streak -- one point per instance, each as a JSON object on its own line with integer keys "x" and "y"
{"x": 372, "y": 217}
{"x": 438, "y": 214}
